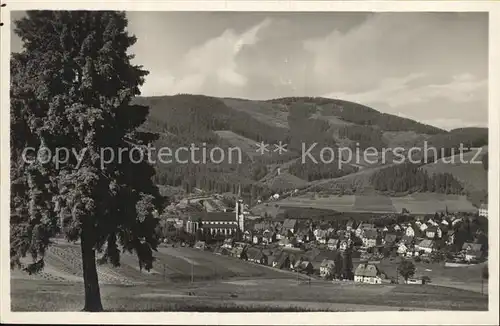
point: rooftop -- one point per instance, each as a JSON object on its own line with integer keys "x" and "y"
{"x": 367, "y": 270}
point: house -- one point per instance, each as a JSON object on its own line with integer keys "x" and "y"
{"x": 370, "y": 238}
{"x": 228, "y": 243}
{"x": 327, "y": 268}
{"x": 471, "y": 247}
{"x": 320, "y": 235}
{"x": 397, "y": 227}
{"x": 239, "y": 252}
{"x": 255, "y": 255}
{"x": 343, "y": 245}
{"x": 423, "y": 227}
{"x": 284, "y": 242}
{"x": 367, "y": 273}
{"x": 200, "y": 245}
{"x": 304, "y": 266}
{"x": 410, "y": 232}
{"x": 289, "y": 226}
{"x": 445, "y": 222}
{"x": 362, "y": 227}
{"x": 439, "y": 233}
{"x": 257, "y": 239}
{"x": 349, "y": 226}
{"x": 247, "y": 236}
{"x": 281, "y": 261}
{"x": 483, "y": 210}
{"x": 431, "y": 222}
{"x": 333, "y": 244}
{"x": 430, "y": 232}
{"x": 473, "y": 255}
{"x": 402, "y": 249}
{"x": 389, "y": 239}
{"x": 268, "y": 237}
{"x": 426, "y": 245}
{"x": 407, "y": 239}
{"x": 385, "y": 229}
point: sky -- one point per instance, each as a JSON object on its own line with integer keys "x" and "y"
{"x": 431, "y": 67}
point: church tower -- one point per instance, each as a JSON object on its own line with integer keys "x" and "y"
{"x": 240, "y": 218}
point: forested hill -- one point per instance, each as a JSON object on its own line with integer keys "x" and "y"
{"x": 184, "y": 119}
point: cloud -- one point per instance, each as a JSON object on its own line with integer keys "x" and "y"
{"x": 397, "y": 92}
{"x": 211, "y": 63}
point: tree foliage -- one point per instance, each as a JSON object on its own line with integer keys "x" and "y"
{"x": 406, "y": 269}
{"x": 408, "y": 177}
{"x": 71, "y": 87}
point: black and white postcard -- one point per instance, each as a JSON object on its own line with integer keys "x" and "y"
{"x": 272, "y": 162}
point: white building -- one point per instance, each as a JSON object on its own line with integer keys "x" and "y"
{"x": 483, "y": 210}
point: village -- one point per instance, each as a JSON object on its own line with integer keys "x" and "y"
{"x": 381, "y": 248}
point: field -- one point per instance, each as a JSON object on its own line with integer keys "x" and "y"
{"x": 172, "y": 265}
{"x": 472, "y": 175}
{"x": 220, "y": 283}
{"x": 246, "y": 145}
{"x": 465, "y": 278}
{"x": 244, "y": 295}
{"x": 419, "y": 203}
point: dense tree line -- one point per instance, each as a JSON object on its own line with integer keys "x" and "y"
{"x": 366, "y": 136}
{"x": 408, "y": 177}
{"x": 362, "y": 115}
{"x": 449, "y": 143}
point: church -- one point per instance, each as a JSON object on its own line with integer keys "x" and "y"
{"x": 218, "y": 223}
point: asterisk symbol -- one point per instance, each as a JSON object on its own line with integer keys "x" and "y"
{"x": 280, "y": 148}
{"x": 262, "y": 148}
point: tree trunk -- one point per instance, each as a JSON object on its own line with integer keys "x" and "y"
{"x": 90, "y": 279}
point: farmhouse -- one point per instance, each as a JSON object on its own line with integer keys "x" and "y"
{"x": 367, "y": 273}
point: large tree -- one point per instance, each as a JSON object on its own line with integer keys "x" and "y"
{"x": 71, "y": 87}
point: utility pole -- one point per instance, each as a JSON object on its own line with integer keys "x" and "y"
{"x": 164, "y": 272}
